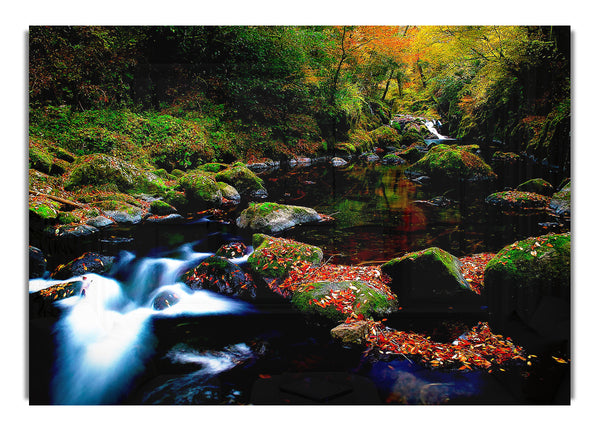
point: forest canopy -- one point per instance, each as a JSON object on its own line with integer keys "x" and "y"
{"x": 280, "y": 90}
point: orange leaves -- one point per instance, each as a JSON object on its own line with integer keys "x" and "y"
{"x": 478, "y": 348}
{"x": 472, "y": 269}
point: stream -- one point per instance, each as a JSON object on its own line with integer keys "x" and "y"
{"x": 112, "y": 346}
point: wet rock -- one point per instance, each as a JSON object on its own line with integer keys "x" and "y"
{"x": 338, "y": 161}
{"x": 37, "y": 262}
{"x": 536, "y": 185}
{"x": 165, "y": 300}
{"x": 273, "y": 257}
{"x": 229, "y": 192}
{"x": 232, "y": 250}
{"x": 392, "y": 159}
{"x": 354, "y": 332}
{"x": 165, "y": 219}
{"x": 246, "y": 182}
{"x": 526, "y": 273}
{"x": 313, "y": 299}
{"x": 42, "y": 302}
{"x": 161, "y": 208}
{"x": 270, "y": 217}
{"x": 560, "y": 202}
{"x": 300, "y": 161}
{"x": 78, "y": 231}
{"x": 99, "y": 221}
{"x": 201, "y": 191}
{"x": 86, "y": 263}
{"x": 222, "y": 276}
{"x": 369, "y": 157}
{"x": 518, "y": 200}
{"x": 447, "y": 162}
{"x": 430, "y": 275}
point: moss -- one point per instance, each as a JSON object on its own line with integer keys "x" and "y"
{"x": 45, "y": 211}
{"x": 177, "y": 173}
{"x": 40, "y": 159}
{"x": 536, "y": 185}
{"x": 241, "y": 178}
{"x": 451, "y": 162}
{"x": 518, "y": 200}
{"x": 385, "y": 136}
{"x": 212, "y": 167}
{"x": 273, "y": 257}
{"x": 159, "y": 207}
{"x": 271, "y": 217}
{"x": 201, "y": 191}
{"x": 68, "y": 218}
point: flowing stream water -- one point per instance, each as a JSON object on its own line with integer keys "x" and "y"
{"x": 108, "y": 339}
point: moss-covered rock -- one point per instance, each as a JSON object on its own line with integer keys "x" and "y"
{"x": 232, "y": 250}
{"x": 448, "y": 162}
{"x": 246, "y": 182}
{"x": 392, "y": 159}
{"x": 318, "y": 299}
{"x": 121, "y": 212}
{"x": 44, "y": 209}
{"x": 270, "y": 217}
{"x": 40, "y": 159}
{"x": 98, "y": 169}
{"x": 505, "y": 157}
{"x": 412, "y": 136}
{"x": 273, "y": 257}
{"x": 523, "y": 275}
{"x": 385, "y": 136}
{"x": 428, "y": 275}
{"x": 536, "y": 185}
{"x": 560, "y": 202}
{"x": 229, "y": 192}
{"x": 518, "y": 200}
{"x": 413, "y": 153}
{"x": 201, "y": 191}
{"x": 159, "y": 207}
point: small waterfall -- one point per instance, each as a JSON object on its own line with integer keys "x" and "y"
{"x": 103, "y": 335}
{"x": 431, "y": 126}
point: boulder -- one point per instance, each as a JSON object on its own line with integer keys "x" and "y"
{"x": 536, "y": 185}
{"x": 338, "y": 161}
{"x": 245, "y": 182}
{"x": 77, "y": 231}
{"x": 448, "y": 162}
{"x": 270, "y": 217}
{"x": 232, "y": 250}
{"x": 353, "y": 332}
{"x": 201, "y": 191}
{"x": 392, "y": 159}
{"x": 99, "y": 221}
{"x": 219, "y": 275}
{"x": 274, "y": 257}
{"x": 337, "y": 300}
{"x": 518, "y": 200}
{"x": 41, "y": 303}
{"x": 430, "y": 275}
{"x": 37, "y": 262}
{"x": 560, "y": 202}
{"x": 98, "y": 169}
{"x": 165, "y": 299}
{"x": 525, "y": 277}
{"x": 384, "y": 136}
{"x": 121, "y": 212}
{"x": 86, "y": 263}
{"x": 161, "y": 208}
{"x": 229, "y": 192}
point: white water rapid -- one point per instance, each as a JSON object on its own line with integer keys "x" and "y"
{"x": 103, "y": 335}
{"x": 431, "y": 126}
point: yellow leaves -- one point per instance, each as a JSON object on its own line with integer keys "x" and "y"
{"x": 559, "y": 360}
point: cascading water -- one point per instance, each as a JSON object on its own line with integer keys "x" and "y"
{"x": 103, "y": 335}
{"x": 431, "y": 127}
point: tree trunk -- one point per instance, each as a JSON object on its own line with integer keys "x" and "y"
{"x": 387, "y": 84}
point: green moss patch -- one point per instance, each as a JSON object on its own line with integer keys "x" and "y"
{"x": 518, "y": 200}
{"x": 241, "y": 178}
{"x": 201, "y": 191}
{"x": 271, "y": 217}
{"x": 536, "y": 185}
{"x": 452, "y": 162}
{"x": 274, "y": 257}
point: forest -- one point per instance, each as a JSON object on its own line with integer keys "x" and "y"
{"x": 299, "y": 215}
{"x": 230, "y": 93}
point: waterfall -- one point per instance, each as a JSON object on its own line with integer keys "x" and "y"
{"x": 431, "y": 126}
{"x": 104, "y": 336}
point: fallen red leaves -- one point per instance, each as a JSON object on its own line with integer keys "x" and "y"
{"x": 478, "y": 348}
{"x": 473, "y": 267}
